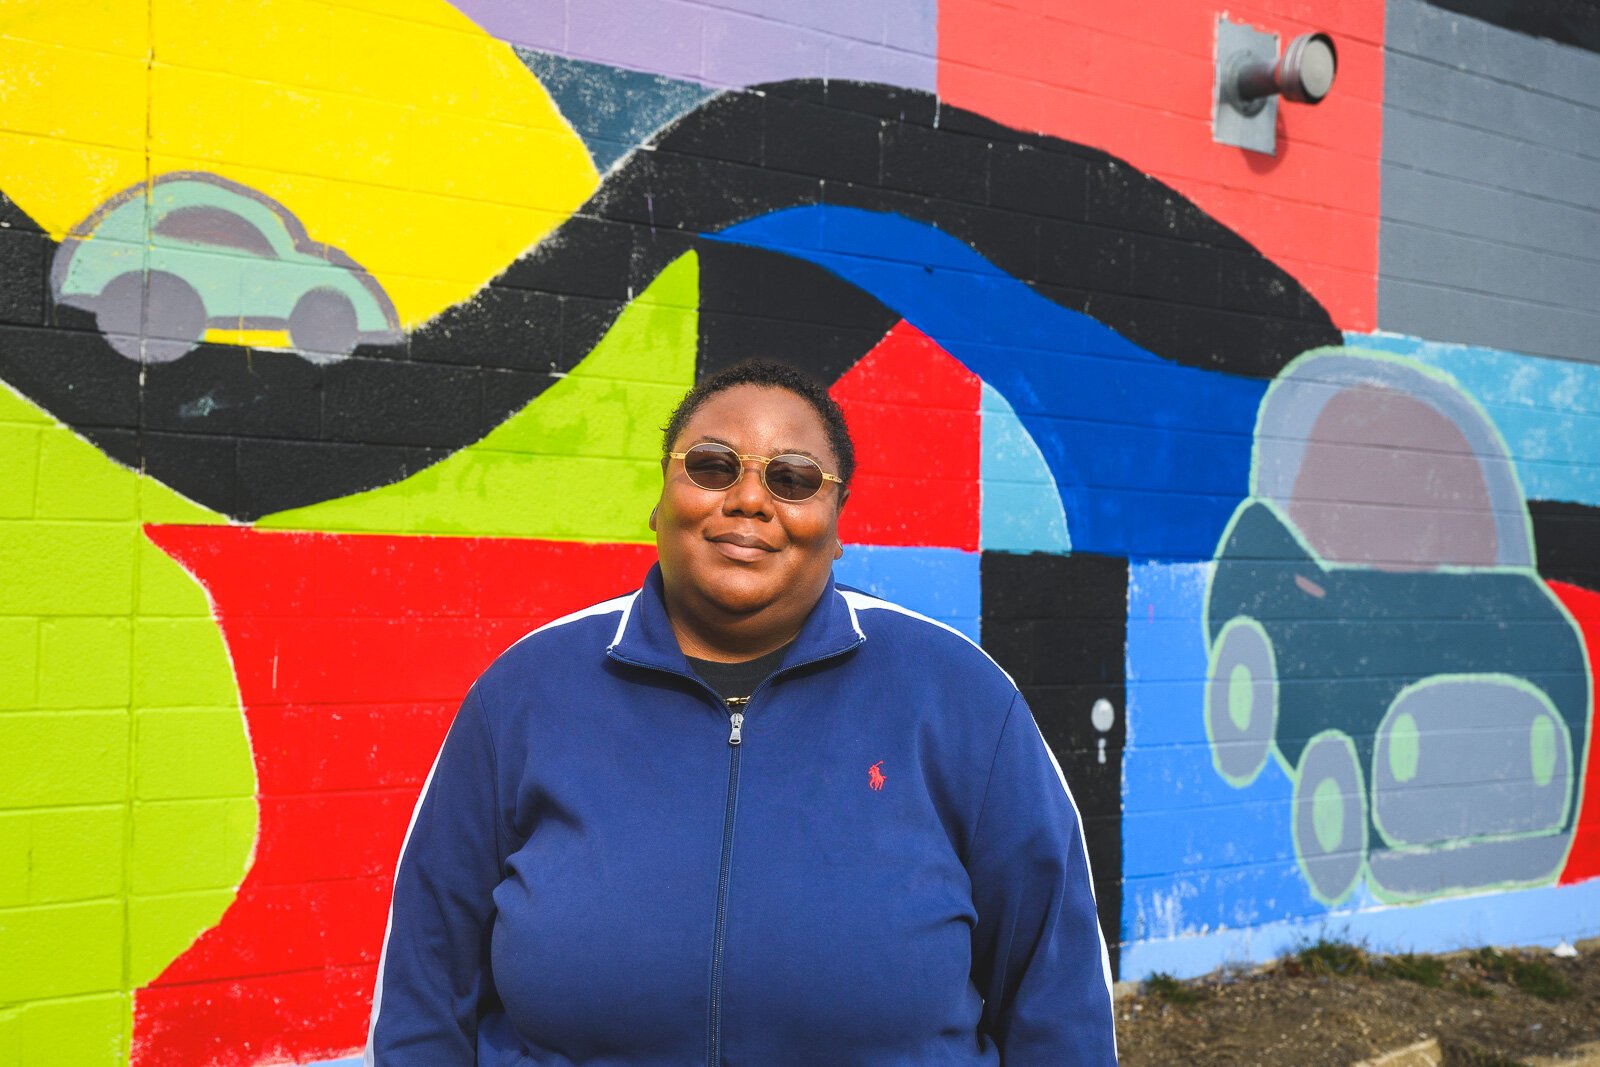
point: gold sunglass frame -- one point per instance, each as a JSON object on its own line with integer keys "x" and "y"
{"x": 765, "y": 461}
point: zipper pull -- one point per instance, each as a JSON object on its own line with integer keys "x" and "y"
{"x": 735, "y": 718}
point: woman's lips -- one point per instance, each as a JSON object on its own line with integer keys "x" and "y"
{"x": 742, "y": 547}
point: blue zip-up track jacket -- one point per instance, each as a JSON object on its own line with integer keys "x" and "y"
{"x": 887, "y": 868}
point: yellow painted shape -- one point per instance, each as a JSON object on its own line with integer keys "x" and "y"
{"x": 401, "y": 133}
{"x": 248, "y": 338}
{"x": 582, "y": 461}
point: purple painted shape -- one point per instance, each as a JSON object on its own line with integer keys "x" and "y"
{"x": 659, "y": 36}
{"x": 744, "y": 50}
{"x": 863, "y": 21}
{"x": 911, "y": 25}
{"x": 730, "y": 42}
{"x": 540, "y": 24}
{"x": 854, "y": 61}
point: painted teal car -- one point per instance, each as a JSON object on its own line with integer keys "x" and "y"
{"x": 159, "y": 265}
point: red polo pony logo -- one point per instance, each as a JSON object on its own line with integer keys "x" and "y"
{"x": 875, "y": 777}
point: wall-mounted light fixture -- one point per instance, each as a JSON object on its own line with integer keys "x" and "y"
{"x": 1250, "y": 76}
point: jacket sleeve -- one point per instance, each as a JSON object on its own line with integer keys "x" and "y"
{"x": 1038, "y": 956}
{"x": 433, "y": 977}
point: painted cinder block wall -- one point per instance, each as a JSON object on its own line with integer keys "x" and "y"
{"x": 336, "y": 336}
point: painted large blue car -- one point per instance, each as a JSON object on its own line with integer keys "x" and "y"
{"x": 161, "y": 264}
{"x": 1376, "y": 625}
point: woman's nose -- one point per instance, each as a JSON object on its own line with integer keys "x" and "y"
{"x": 748, "y": 495}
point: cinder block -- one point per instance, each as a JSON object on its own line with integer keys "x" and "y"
{"x": 82, "y": 1031}
{"x": 75, "y": 853}
{"x": 56, "y": 758}
{"x": 84, "y": 662}
{"x": 61, "y": 950}
{"x": 180, "y": 663}
{"x": 16, "y": 832}
{"x": 19, "y": 663}
{"x": 165, "y": 588}
{"x": 181, "y": 845}
{"x": 19, "y": 462}
{"x": 66, "y": 568}
{"x": 160, "y": 928}
{"x": 77, "y": 481}
{"x": 191, "y": 753}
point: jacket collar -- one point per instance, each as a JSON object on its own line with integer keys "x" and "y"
{"x": 645, "y": 637}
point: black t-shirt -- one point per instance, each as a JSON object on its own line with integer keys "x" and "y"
{"x": 733, "y": 680}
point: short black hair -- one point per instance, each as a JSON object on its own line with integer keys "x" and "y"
{"x": 772, "y": 375}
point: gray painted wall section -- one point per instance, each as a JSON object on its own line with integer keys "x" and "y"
{"x": 1490, "y": 228}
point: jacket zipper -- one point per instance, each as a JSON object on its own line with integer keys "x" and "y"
{"x": 735, "y": 738}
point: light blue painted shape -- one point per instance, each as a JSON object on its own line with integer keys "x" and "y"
{"x": 1548, "y": 410}
{"x": 349, "y": 1061}
{"x": 1543, "y": 916}
{"x": 1022, "y": 510}
{"x": 612, "y": 110}
{"x": 941, "y": 583}
{"x": 1150, "y": 457}
{"x": 1197, "y": 854}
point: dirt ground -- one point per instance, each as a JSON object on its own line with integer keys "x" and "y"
{"x": 1332, "y": 1005}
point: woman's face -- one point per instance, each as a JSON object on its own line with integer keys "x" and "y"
{"x": 739, "y": 562}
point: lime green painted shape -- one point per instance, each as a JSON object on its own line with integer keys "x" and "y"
{"x": 67, "y": 568}
{"x": 83, "y": 1032}
{"x": 1405, "y": 747}
{"x": 1542, "y": 744}
{"x": 189, "y": 754}
{"x": 1240, "y": 693}
{"x": 165, "y": 589}
{"x": 77, "y": 481}
{"x": 41, "y": 854}
{"x": 19, "y": 470}
{"x": 181, "y": 845}
{"x": 164, "y": 668}
{"x": 60, "y": 950}
{"x": 16, "y": 834}
{"x": 161, "y": 927}
{"x": 61, "y": 758}
{"x": 84, "y": 662}
{"x": 99, "y": 630}
{"x": 1327, "y": 814}
{"x": 19, "y": 663}
{"x": 581, "y": 462}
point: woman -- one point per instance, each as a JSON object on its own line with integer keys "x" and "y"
{"x": 743, "y": 815}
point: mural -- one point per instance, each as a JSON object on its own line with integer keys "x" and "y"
{"x": 336, "y": 341}
{"x": 1383, "y": 502}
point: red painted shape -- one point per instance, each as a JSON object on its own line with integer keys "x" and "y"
{"x": 351, "y": 653}
{"x": 1136, "y": 80}
{"x": 913, "y": 411}
{"x": 276, "y": 1018}
{"x": 1583, "y": 862}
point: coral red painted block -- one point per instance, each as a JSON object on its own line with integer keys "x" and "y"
{"x": 913, "y": 413}
{"x": 277, "y": 1018}
{"x": 351, "y": 653}
{"x": 1583, "y": 860}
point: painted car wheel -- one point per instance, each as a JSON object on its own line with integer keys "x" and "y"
{"x": 1241, "y": 701}
{"x": 323, "y": 325}
{"x": 153, "y": 318}
{"x": 1330, "y": 816}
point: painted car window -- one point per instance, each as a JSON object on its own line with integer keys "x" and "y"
{"x": 214, "y": 226}
{"x": 1388, "y": 480}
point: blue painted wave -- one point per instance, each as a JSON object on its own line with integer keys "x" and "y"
{"x": 1150, "y": 457}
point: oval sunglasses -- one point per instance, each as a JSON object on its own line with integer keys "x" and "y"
{"x": 789, "y": 477}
